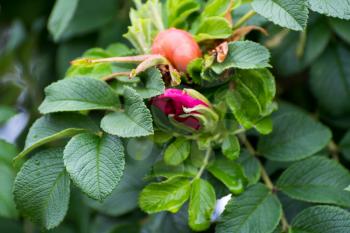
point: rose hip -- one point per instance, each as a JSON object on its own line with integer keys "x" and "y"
{"x": 178, "y": 46}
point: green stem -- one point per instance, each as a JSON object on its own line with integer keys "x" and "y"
{"x": 130, "y": 59}
{"x": 28, "y": 227}
{"x": 244, "y": 19}
{"x": 247, "y": 144}
{"x": 334, "y": 150}
{"x": 301, "y": 44}
{"x": 239, "y": 131}
{"x": 264, "y": 176}
{"x": 114, "y": 75}
{"x": 205, "y": 163}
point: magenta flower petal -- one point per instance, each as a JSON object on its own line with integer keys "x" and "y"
{"x": 173, "y": 101}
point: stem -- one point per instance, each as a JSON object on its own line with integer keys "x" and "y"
{"x": 334, "y": 150}
{"x": 135, "y": 59}
{"x": 28, "y": 227}
{"x": 244, "y": 19}
{"x": 301, "y": 44}
{"x": 205, "y": 163}
{"x": 131, "y": 59}
{"x": 239, "y": 131}
{"x": 247, "y": 144}
{"x": 285, "y": 224}
{"x": 113, "y": 75}
{"x": 265, "y": 177}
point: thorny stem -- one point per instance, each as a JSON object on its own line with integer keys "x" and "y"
{"x": 265, "y": 177}
{"x": 205, "y": 163}
{"x": 244, "y": 19}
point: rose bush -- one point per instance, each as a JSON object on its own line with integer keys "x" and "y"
{"x": 181, "y": 128}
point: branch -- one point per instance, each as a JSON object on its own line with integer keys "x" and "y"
{"x": 265, "y": 177}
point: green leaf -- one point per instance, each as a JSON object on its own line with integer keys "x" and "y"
{"x": 179, "y": 11}
{"x": 244, "y": 55}
{"x": 295, "y": 136}
{"x": 230, "y": 147}
{"x": 119, "y": 49}
{"x": 93, "y": 70}
{"x": 245, "y": 213}
{"x": 61, "y": 15}
{"x": 167, "y": 222}
{"x": 229, "y": 173}
{"x": 168, "y": 195}
{"x": 8, "y": 225}
{"x": 78, "y": 94}
{"x": 330, "y": 81}
{"x": 70, "y": 18}
{"x": 334, "y": 8}
{"x": 101, "y": 70}
{"x": 177, "y": 152}
{"x": 292, "y": 49}
{"x": 134, "y": 121}
{"x": 265, "y": 125}
{"x": 194, "y": 69}
{"x": 6, "y": 113}
{"x": 213, "y": 28}
{"x": 7, "y": 177}
{"x": 146, "y": 22}
{"x": 7, "y": 152}
{"x": 94, "y": 163}
{"x": 319, "y": 219}
{"x": 317, "y": 180}
{"x": 341, "y": 28}
{"x": 252, "y": 99}
{"x": 151, "y": 84}
{"x": 202, "y": 205}
{"x": 160, "y": 169}
{"x": 344, "y": 145}
{"x": 318, "y": 37}
{"x": 124, "y": 197}
{"x": 52, "y": 127}
{"x": 291, "y": 14}
{"x": 251, "y": 167}
{"x": 96, "y": 71}
{"x": 41, "y": 188}
{"x": 217, "y": 8}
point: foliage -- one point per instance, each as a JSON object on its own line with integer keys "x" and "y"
{"x": 262, "y": 118}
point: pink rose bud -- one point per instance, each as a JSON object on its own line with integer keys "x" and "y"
{"x": 181, "y": 105}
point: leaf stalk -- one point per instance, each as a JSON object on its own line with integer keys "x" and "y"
{"x": 244, "y": 19}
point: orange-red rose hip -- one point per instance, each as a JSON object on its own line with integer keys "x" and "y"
{"x": 178, "y": 46}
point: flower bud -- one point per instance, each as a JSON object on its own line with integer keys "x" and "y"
{"x": 184, "y": 110}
